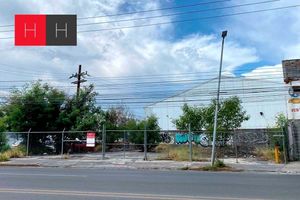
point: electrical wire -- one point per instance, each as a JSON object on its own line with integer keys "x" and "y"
{"x": 185, "y": 20}
{"x": 145, "y": 11}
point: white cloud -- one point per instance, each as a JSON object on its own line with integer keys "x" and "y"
{"x": 123, "y": 52}
{"x": 126, "y": 52}
{"x": 275, "y": 34}
{"x": 271, "y": 73}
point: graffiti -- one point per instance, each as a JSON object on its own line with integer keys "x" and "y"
{"x": 166, "y": 138}
{"x": 201, "y": 139}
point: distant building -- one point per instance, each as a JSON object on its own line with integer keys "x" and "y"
{"x": 262, "y": 99}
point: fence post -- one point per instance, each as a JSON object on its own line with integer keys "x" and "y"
{"x": 124, "y": 145}
{"x": 27, "y": 146}
{"x": 190, "y": 144}
{"x": 235, "y": 145}
{"x": 62, "y": 142}
{"x": 145, "y": 142}
{"x": 284, "y": 147}
{"x": 103, "y": 141}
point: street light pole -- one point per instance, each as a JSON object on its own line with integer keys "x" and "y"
{"x": 224, "y": 34}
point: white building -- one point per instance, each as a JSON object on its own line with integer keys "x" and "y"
{"x": 262, "y": 100}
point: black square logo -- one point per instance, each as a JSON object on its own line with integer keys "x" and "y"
{"x": 61, "y": 30}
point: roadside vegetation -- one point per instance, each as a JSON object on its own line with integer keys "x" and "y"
{"x": 217, "y": 166}
{"x": 41, "y": 107}
{"x": 181, "y": 152}
{"x": 267, "y": 153}
{"x": 231, "y": 116}
{"x": 17, "y": 152}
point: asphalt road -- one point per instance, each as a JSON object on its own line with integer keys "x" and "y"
{"x": 112, "y": 184}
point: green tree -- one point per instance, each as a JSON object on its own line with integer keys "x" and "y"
{"x": 231, "y": 115}
{"x": 81, "y": 113}
{"x": 36, "y": 107}
{"x": 117, "y": 119}
{"x": 280, "y": 127}
{"x": 137, "y": 137}
{"x": 40, "y": 107}
{"x": 281, "y": 121}
{"x": 3, "y": 139}
{"x": 191, "y": 115}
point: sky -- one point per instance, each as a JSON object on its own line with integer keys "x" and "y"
{"x": 147, "y": 62}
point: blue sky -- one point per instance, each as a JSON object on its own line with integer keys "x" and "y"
{"x": 255, "y": 46}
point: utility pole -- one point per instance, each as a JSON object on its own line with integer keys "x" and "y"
{"x": 80, "y": 75}
{"x": 224, "y": 34}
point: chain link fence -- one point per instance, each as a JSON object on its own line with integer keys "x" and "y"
{"x": 152, "y": 144}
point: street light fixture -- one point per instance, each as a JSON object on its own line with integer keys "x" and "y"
{"x": 224, "y": 34}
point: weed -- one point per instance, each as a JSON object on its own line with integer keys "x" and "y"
{"x": 4, "y": 157}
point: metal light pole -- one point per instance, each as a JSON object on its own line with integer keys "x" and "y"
{"x": 224, "y": 34}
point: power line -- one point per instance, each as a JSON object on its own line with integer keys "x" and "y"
{"x": 159, "y": 9}
{"x": 180, "y": 13}
{"x": 17, "y": 70}
{"x": 186, "y": 20}
{"x": 192, "y": 19}
{"x": 145, "y": 11}
{"x": 172, "y": 14}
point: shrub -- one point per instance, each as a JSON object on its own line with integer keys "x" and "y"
{"x": 219, "y": 164}
{"x": 17, "y": 152}
{"x": 4, "y": 157}
{"x": 180, "y": 152}
{"x": 98, "y": 148}
{"x": 66, "y": 156}
{"x": 265, "y": 153}
{"x": 162, "y": 148}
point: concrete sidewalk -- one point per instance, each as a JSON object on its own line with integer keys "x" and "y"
{"x": 135, "y": 161}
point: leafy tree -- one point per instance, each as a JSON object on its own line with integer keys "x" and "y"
{"x": 137, "y": 137}
{"x": 191, "y": 115}
{"x": 3, "y": 139}
{"x": 81, "y": 113}
{"x": 279, "y": 128}
{"x": 231, "y": 115}
{"x": 281, "y": 121}
{"x": 36, "y": 107}
{"x": 117, "y": 118}
{"x": 40, "y": 107}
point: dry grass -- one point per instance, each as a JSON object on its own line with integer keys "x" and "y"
{"x": 17, "y": 152}
{"x": 98, "y": 148}
{"x": 265, "y": 154}
{"x": 181, "y": 152}
{"x": 66, "y": 156}
{"x": 4, "y": 157}
{"x": 218, "y": 166}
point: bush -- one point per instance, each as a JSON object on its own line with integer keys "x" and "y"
{"x": 265, "y": 153}
{"x": 4, "y": 148}
{"x": 181, "y": 152}
{"x": 219, "y": 164}
{"x": 162, "y": 148}
{"x": 4, "y": 157}
{"x": 98, "y": 148}
{"x": 17, "y": 152}
{"x": 3, "y": 142}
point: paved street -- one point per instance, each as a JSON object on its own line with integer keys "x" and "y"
{"x": 68, "y": 183}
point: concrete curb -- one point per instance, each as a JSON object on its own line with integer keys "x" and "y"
{"x": 18, "y": 165}
{"x": 147, "y": 165}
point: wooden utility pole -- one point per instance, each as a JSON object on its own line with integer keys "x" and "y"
{"x": 79, "y": 80}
